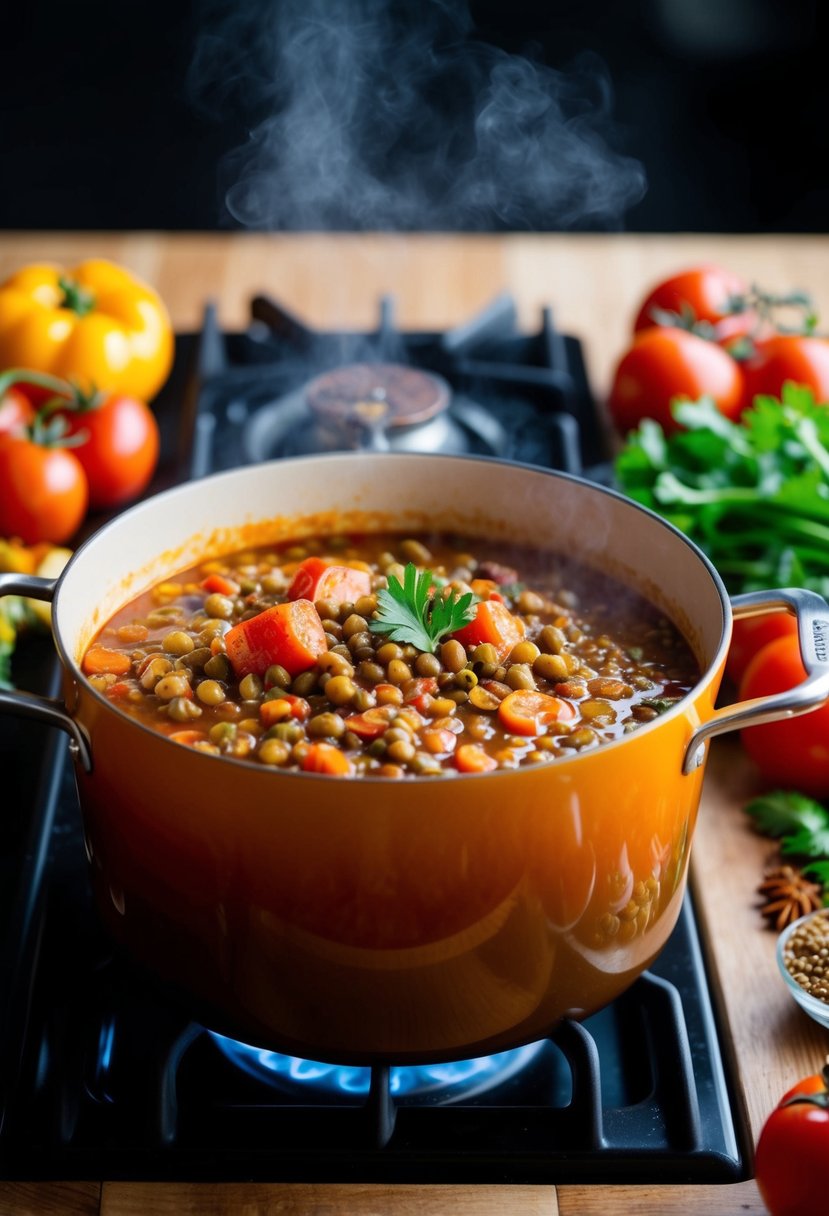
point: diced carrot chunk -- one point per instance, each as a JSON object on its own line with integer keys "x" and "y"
{"x": 289, "y": 634}
{"x": 100, "y": 660}
{"x": 220, "y": 584}
{"x": 326, "y": 758}
{"x": 316, "y": 580}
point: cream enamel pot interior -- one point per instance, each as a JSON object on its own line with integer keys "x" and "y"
{"x": 527, "y": 895}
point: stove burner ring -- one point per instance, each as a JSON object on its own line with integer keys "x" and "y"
{"x": 455, "y": 1081}
{"x": 377, "y": 394}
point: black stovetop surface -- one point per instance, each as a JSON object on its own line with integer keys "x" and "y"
{"x": 104, "y": 1075}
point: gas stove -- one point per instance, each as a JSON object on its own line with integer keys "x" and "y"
{"x": 104, "y": 1074}
{"x": 282, "y": 389}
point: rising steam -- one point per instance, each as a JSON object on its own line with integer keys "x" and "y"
{"x": 373, "y": 115}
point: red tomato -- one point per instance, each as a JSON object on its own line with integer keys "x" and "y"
{"x": 16, "y": 410}
{"x": 792, "y": 1158}
{"x": 794, "y": 752}
{"x": 787, "y": 357}
{"x": 120, "y": 449}
{"x": 703, "y": 293}
{"x": 664, "y": 364}
{"x": 43, "y": 491}
{"x": 751, "y": 634}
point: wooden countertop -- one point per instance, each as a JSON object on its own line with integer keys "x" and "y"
{"x": 593, "y": 284}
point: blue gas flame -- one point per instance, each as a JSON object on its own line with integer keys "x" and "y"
{"x": 447, "y": 1082}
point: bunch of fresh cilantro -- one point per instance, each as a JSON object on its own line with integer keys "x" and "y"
{"x": 753, "y": 495}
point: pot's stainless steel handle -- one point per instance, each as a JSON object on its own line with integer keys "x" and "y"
{"x": 27, "y": 704}
{"x": 812, "y": 612}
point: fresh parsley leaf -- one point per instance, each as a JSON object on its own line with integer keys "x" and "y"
{"x": 407, "y": 612}
{"x": 819, "y": 872}
{"x": 784, "y": 813}
{"x": 801, "y": 823}
{"x": 808, "y": 842}
{"x": 753, "y": 495}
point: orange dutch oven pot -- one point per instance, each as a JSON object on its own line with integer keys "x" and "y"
{"x": 376, "y": 920}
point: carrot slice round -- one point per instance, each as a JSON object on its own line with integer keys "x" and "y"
{"x": 470, "y": 758}
{"x": 527, "y": 712}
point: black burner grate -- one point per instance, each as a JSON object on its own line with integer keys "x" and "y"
{"x": 515, "y": 396}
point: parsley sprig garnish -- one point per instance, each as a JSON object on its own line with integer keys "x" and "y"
{"x": 802, "y": 826}
{"x": 409, "y": 612}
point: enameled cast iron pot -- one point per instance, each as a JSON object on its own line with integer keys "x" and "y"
{"x": 518, "y": 897}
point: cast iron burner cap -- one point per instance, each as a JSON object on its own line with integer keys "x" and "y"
{"x": 372, "y": 393}
{"x": 372, "y": 407}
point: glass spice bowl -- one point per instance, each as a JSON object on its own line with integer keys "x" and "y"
{"x": 800, "y": 929}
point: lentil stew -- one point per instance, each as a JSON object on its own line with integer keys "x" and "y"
{"x": 391, "y": 656}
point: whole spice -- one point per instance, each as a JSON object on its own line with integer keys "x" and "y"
{"x": 787, "y": 895}
{"x": 806, "y": 955}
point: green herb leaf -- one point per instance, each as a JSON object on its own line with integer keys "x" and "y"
{"x": 660, "y": 704}
{"x": 819, "y": 872}
{"x": 786, "y": 813}
{"x": 5, "y": 666}
{"x": 408, "y": 612}
{"x": 808, "y": 842}
{"x": 754, "y": 496}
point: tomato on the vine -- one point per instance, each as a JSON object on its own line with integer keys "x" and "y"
{"x": 750, "y": 634}
{"x": 668, "y": 363}
{"x": 793, "y": 752}
{"x": 118, "y": 447}
{"x": 803, "y": 358}
{"x": 702, "y": 293}
{"x": 43, "y": 490}
{"x": 791, "y": 1162}
{"x": 16, "y": 410}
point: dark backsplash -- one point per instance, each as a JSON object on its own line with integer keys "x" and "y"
{"x": 718, "y": 105}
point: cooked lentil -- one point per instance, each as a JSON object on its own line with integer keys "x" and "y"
{"x": 602, "y": 655}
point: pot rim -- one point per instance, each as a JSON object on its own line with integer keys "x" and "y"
{"x": 169, "y": 495}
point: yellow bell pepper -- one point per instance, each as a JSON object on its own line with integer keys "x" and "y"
{"x": 16, "y": 613}
{"x": 96, "y": 324}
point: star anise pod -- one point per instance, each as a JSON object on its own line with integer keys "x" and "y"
{"x": 787, "y": 895}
